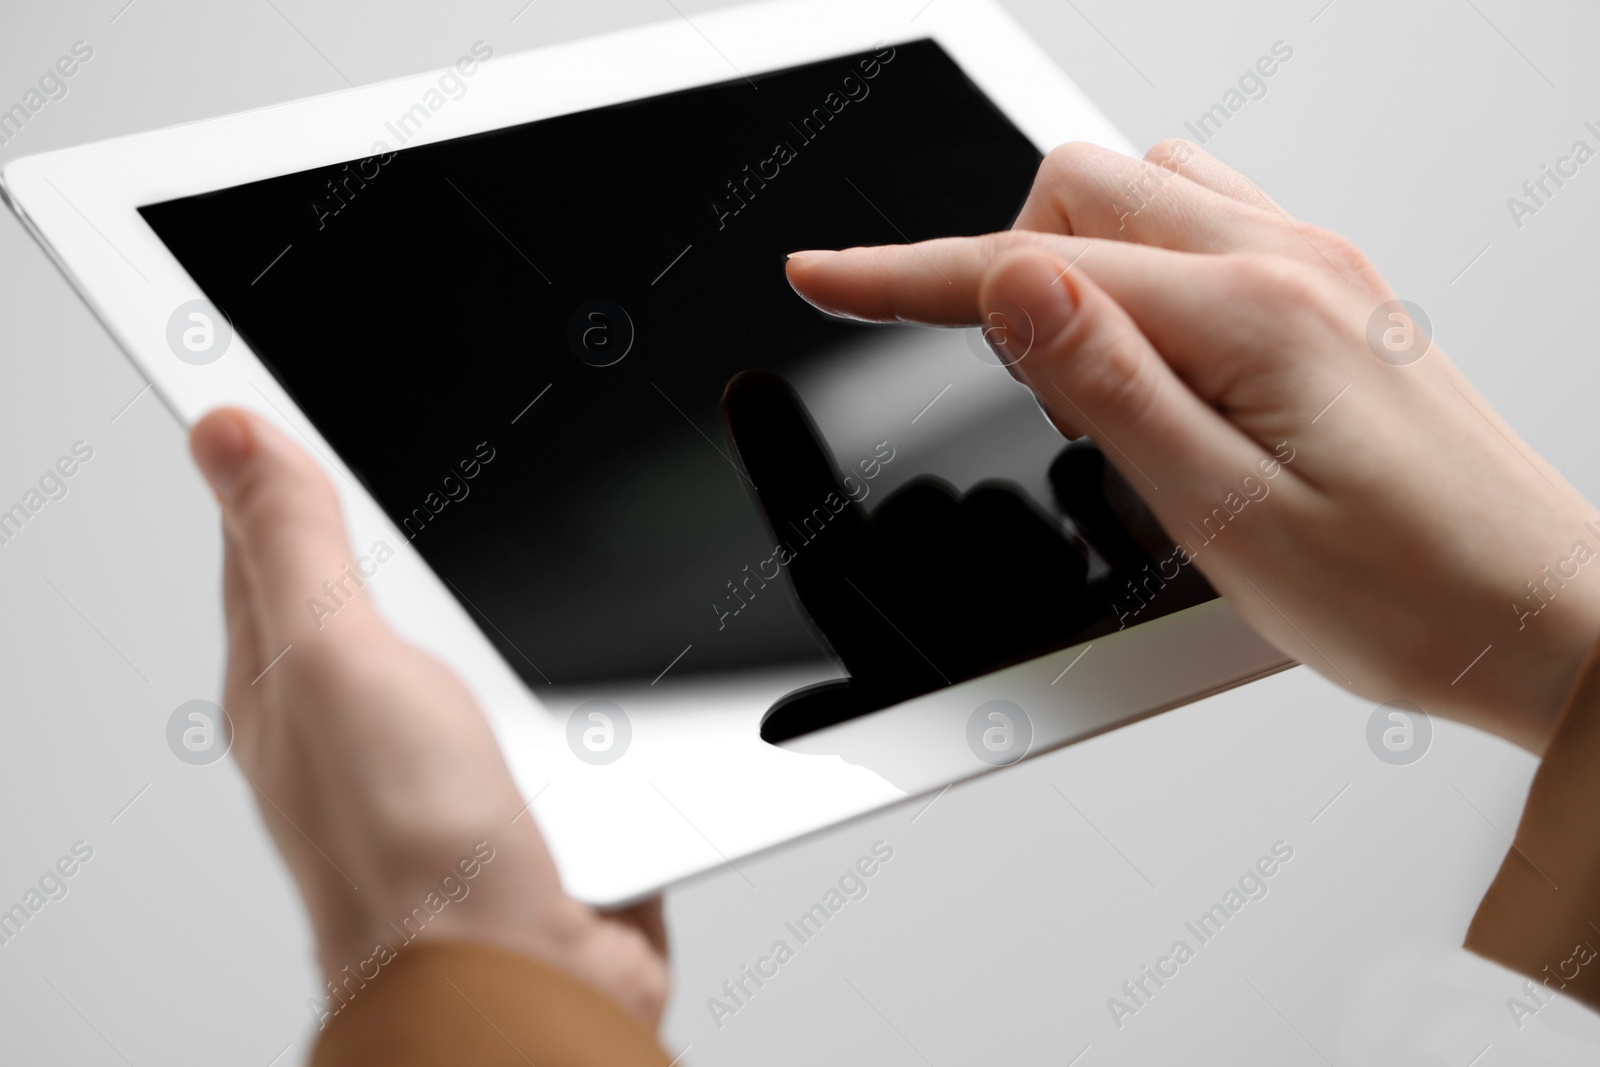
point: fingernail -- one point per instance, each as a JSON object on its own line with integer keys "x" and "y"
{"x": 221, "y": 443}
{"x": 811, "y": 253}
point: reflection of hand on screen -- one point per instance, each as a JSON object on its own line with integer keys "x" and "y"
{"x": 934, "y": 586}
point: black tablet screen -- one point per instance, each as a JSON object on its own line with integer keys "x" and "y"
{"x": 522, "y": 342}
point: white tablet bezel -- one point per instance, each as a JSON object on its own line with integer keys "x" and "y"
{"x": 697, "y": 788}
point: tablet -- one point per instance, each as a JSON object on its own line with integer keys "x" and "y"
{"x": 722, "y": 570}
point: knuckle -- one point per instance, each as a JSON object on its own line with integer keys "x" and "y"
{"x": 1111, "y": 373}
{"x": 1066, "y": 162}
{"x": 1069, "y": 173}
{"x": 994, "y": 251}
{"x": 1344, "y": 256}
{"x": 1126, "y": 384}
{"x": 993, "y": 247}
{"x": 267, "y": 494}
{"x": 254, "y": 499}
{"x": 1170, "y": 153}
{"x": 1280, "y": 296}
{"x": 1339, "y": 248}
{"x": 1274, "y": 279}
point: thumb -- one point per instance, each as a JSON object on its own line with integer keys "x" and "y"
{"x": 284, "y": 519}
{"x": 1095, "y": 373}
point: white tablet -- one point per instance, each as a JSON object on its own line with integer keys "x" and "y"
{"x": 723, "y": 571}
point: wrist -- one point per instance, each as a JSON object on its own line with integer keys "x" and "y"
{"x": 1527, "y": 674}
{"x": 360, "y": 930}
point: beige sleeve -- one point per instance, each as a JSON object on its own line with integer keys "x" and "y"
{"x": 457, "y": 1003}
{"x": 1539, "y": 916}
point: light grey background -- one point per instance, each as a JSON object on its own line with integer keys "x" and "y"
{"x": 1011, "y": 909}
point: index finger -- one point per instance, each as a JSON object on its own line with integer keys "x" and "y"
{"x": 1171, "y": 295}
{"x": 1216, "y": 320}
{"x": 934, "y": 283}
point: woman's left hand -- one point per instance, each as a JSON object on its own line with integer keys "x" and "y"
{"x": 377, "y": 773}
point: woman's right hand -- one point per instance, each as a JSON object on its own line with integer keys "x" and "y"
{"x": 1351, "y": 495}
